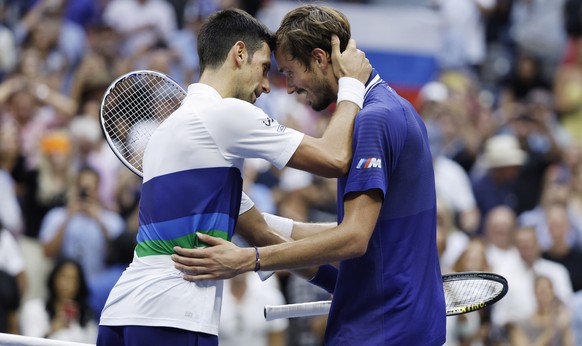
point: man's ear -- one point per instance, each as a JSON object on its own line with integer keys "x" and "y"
{"x": 321, "y": 58}
{"x": 239, "y": 53}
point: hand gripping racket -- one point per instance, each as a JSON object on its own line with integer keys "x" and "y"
{"x": 464, "y": 292}
{"x": 133, "y": 106}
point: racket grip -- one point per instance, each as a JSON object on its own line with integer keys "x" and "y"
{"x": 273, "y": 312}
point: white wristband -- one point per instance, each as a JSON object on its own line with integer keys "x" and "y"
{"x": 280, "y": 224}
{"x": 351, "y": 89}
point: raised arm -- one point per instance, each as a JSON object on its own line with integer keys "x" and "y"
{"x": 330, "y": 155}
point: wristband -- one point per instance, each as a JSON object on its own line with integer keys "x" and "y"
{"x": 257, "y": 260}
{"x": 325, "y": 278}
{"x": 280, "y": 224}
{"x": 351, "y": 89}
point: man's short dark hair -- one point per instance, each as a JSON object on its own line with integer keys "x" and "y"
{"x": 223, "y": 29}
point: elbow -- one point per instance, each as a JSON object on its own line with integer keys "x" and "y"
{"x": 339, "y": 167}
{"x": 355, "y": 247}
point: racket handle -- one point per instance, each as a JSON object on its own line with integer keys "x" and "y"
{"x": 273, "y": 312}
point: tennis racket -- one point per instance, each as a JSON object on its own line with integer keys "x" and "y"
{"x": 464, "y": 292}
{"x": 133, "y": 106}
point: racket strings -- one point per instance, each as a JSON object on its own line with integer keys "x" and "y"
{"x": 470, "y": 292}
{"x": 134, "y": 108}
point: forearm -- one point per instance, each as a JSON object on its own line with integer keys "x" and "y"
{"x": 330, "y": 156}
{"x": 325, "y": 247}
{"x": 337, "y": 137}
{"x": 263, "y": 229}
{"x": 304, "y": 229}
{"x": 52, "y": 247}
{"x": 55, "y": 99}
{"x": 347, "y": 240}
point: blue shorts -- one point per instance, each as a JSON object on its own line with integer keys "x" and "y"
{"x": 155, "y": 336}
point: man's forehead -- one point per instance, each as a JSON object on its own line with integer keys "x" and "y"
{"x": 284, "y": 60}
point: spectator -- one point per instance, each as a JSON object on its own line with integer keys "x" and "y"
{"x": 561, "y": 251}
{"x": 10, "y": 212}
{"x": 554, "y": 192}
{"x": 525, "y": 76}
{"x": 577, "y": 318}
{"x": 25, "y": 112}
{"x": 65, "y": 314}
{"x": 119, "y": 256}
{"x": 470, "y": 329}
{"x": 60, "y": 42}
{"x": 499, "y": 229}
{"x": 538, "y": 28}
{"x": 502, "y": 159}
{"x": 567, "y": 87}
{"x": 140, "y": 22}
{"x": 464, "y": 32}
{"x": 549, "y": 324}
{"x": 453, "y": 188}
{"x": 519, "y": 303}
{"x": 47, "y": 185}
{"x": 241, "y": 319}
{"x": 8, "y": 49}
{"x": 455, "y": 241}
{"x": 92, "y": 150}
{"x": 127, "y": 194}
{"x": 80, "y": 230}
{"x": 12, "y": 281}
{"x": 100, "y": 66}
{"x": 533, "y": 129}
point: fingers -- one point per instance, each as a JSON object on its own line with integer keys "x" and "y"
{"x": 187, "y": 253}
{"x": 335, "y": 45}
{"x": 195, "y": 278}
{"x": 208, "y": 239}
{"x": 352, "y": 45}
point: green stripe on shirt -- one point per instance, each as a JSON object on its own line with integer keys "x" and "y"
{"x": 166, "y": 247}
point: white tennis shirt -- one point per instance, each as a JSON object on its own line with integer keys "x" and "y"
{"x": 192, "y": 182}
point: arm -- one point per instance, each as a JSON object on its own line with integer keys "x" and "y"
{"x": 53, "y": 246}
{"x": 253, "y": 227}
{"x": 304, "y": 229}
{"x": 330, "y": 155}
{"x": 348, "y": 240}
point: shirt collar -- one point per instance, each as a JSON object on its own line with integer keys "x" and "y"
{"x": 200, "y": 88}
{"x": 372, "y": 81}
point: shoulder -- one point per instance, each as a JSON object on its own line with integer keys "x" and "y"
{"x": 239, "y": 110}
{"x": 384, "y": 104}
{"x": 239, "y": 105}
{"x": 548, "y": 267}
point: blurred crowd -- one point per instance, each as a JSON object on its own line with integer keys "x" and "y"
{"x": 504, "y": 117}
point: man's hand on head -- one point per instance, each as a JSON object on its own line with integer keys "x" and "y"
{"x": 352, "y": 62}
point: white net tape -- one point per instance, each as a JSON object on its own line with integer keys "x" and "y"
{"x": 19, "y": 340}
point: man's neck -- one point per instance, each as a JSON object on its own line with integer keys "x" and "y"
{"x": 219, "y": 81}
{"x": 559, "y": 250}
